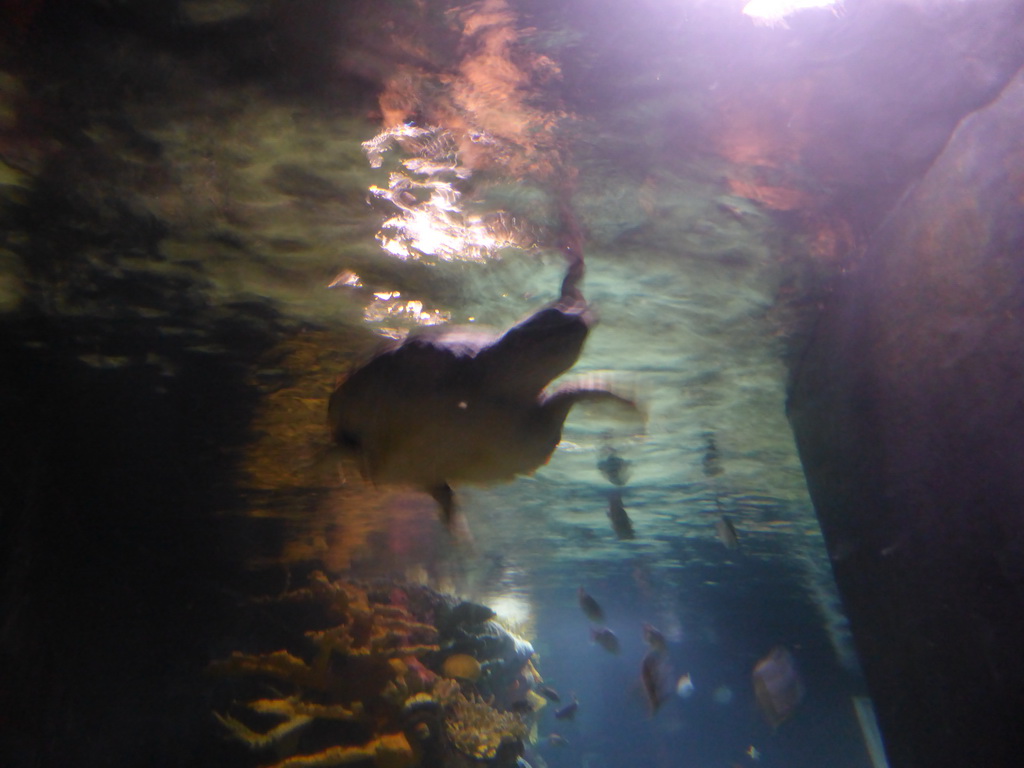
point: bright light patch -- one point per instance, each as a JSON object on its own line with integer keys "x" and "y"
{"x": 346, "y": 278}
{"x": 429, "y": 219}
{"x": 773, "y": 13}
{"x": 512, "y": 609}
{"x": 389, "y": 306}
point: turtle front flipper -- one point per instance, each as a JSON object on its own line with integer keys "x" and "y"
{"x": 556, "y": 406}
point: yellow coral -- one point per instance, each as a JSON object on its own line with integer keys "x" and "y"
{"x": 279, "y": 664}
{"x": 391, "y": 750}
{"x": 294, "y": 706}
{"x": 384, "y": 642}
{"x": 256, "y": 740}
{"x": 296, "y": 712}
{"x": 381, "y": 642}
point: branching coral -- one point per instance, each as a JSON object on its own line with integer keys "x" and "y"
{"x": 257, "y": 740}
{"x": 361, "y": 669}
{"x": 366, "y": 685}
{"x": 279, "y": 664}
{"x": 478, "y": 729}
{"x": 296, "y": 714}
{"x": 391, "y": 750}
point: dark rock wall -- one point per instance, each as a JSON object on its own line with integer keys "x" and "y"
{"x": 908, "y": 408}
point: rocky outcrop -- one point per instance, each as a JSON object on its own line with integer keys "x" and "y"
{"x": 908, "y": 408}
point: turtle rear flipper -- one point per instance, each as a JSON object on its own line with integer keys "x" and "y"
{"x": 456, "y": 525}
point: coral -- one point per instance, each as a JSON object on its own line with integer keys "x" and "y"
{"x": 391, "y": 750}
{"x": 256, "y": 740}
{"x": 296, "y": 713}
{"x": 377, "y": 639}
{"x": 367, "y": 687}
{"x": 279, "y": 664}
{"x": 476, "y": 728}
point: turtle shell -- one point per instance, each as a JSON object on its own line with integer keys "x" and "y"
{"x": 457, "y": 404}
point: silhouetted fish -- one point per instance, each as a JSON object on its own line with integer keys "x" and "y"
{"x": 614, "y": 467}
{"x": 712, "y": 459}
{"x": 777, "y": 686}
{"x": 606, "y": 639}
{"x": 726, "y": 532}
{"x": 655, "y": 675}
{"x": 654, "y": 638}
{"x": 568, "y": 712}
{"x": 590, "y": 606}
{"x": 621, "y": 523}
{"x": 549, "y": 693}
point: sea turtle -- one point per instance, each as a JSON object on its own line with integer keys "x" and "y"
{"x": 462, "y": 405}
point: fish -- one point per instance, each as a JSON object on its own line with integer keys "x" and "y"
{"x": 557, "y": 741}
{"x": 685, "y": 687}
{"x": 549, "y": 693}
{"x": 590, "y": 606}
{"x": 726, "y": 532}
{"x": 777, "y": 686}
{"x": 568, "y": 712}
{"x": 606, "y": 639}
{"x": 462, "y": 666}
{"x": 654, "y": 638}
{"x": 712, "y": 459}
{"x": 621, "y": 523}
{"x": 655, "y": 675}
{"x": 614, "y": 467}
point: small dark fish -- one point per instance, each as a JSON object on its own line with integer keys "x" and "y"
{"x": 589, "y": 606}
{"x": 606, "y": 639}
{"x": 655, "y": 674}
{"x": 557, "y": 741}
{"x": 712, "y": 459}
{"x": 777, "y": 686}
{"x": 621, "y": 523}
{"x": 568, "y": 712}
{"x": 727, "y": 532}
{"x": 549, "y": 693}
{"x": 614, "y": 467}
{"x": 654, "y": 638}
